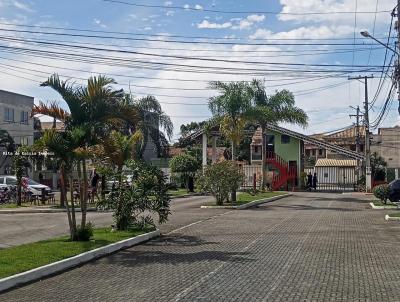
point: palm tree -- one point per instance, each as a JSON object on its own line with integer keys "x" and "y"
{"x": 151, "y": 119}
{"x": 64, "y": 146}
{"x": 95, "y": 108}
{"x": 229, "y": 109}
{"x": 265, "y": 110}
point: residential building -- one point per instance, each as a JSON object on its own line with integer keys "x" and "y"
{"x": 346, "y": 138}
{"x": 387, "y": 144}
{"x": 15, "y": 118}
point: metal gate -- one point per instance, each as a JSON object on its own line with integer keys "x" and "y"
{"x": 251, "y": 171}
{"x": 336, "y": 178}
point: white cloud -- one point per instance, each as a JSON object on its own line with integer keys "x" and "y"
{"x": 168, "y": 3}
{"x": 256, "y": 18}
{"x": 186, "y": 6}
{"x": 99, "y": 23}
{"x": 311, "y": 32}
{"x": 170, "y": 13}
{"x": 22, "y": 6}
{"x": 198, "y": 7}
{"x": 210, "y": 25}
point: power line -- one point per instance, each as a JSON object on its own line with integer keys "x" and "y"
{"x": 188, "y": 8}
{"x": 183, "y": 57}
{"x": 168, "y": 35}
{"x": 181, "y": 41}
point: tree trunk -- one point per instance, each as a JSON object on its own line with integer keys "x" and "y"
{"x": 63, "y": 196}
{"x": 103, "y": 187}
{"x": 19, "y": 192}
{"x": 85, "y": 193}
{"x": 263, "y": 158}
{"x": 73, "y": 216}
{"x": 62, "y": 189}
{"x": 233, "y": 193}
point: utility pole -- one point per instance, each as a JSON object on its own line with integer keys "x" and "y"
{"x": 368, "y": 180}
{"x": 358, "y": 134}
{"x": 397, "y": 47}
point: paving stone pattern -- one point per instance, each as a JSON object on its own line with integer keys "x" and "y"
{"x": 309, "y": 247}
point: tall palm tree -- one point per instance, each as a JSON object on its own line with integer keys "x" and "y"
{"x": 96, "y": 108}
{"x": 154, "y": 124}
{"x": 229, "y": 109}
{"x": 265, "y": 110}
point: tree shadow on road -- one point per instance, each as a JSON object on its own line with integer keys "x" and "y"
{"x": 133, "y": 258}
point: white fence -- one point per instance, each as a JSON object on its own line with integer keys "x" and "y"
{"x": 251, "y": 171}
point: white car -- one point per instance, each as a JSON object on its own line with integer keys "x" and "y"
{"x": 34, "y": 187}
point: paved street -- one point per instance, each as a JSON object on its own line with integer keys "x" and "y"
{"x": 17, "y": 229}
{"x": 309, "y": 247}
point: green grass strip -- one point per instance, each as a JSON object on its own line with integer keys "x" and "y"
{"x": 25, "y": 257}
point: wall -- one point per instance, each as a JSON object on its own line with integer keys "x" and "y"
{"x": 387, "y": 145}
{"x": 18, "y": 131}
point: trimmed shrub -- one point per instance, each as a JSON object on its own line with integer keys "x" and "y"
{"x": 382, "y": 192}
{"x": 86, "y": 232}
{"x": 220, "y": 180}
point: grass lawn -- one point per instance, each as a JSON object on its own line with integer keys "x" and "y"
{"x": 179, "y": 192}
{"x": 244, "y": 198}
{"x": 13, "y": 206}
{"x": 394, "y": 215}
{"x": 380, "y": 203}
{"x": 22, "y": 258}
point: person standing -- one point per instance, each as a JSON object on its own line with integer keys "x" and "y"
{"x": 94, "y": 181}
{"x": 309, "y": 181}
{"x": 314, "y": 182}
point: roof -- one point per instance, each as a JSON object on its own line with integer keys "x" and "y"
{"x": 327, "y": 162}
{"x": 49, "y": 125}
{"x": 347, "y": 133}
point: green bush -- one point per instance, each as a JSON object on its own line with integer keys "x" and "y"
{"x": 220, "y": 180}
{"x": 134, "y": 205}
{"x": 86, "y": 232}
{"x": 382, "y": 192}
{"x": 186, "y": 165}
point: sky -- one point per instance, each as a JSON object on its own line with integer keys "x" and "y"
{"x": 179, "y": 32}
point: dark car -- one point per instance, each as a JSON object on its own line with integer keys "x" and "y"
{"x": 394, "y": 191}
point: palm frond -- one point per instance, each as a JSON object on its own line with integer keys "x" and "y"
{"x": 52, "y": 110}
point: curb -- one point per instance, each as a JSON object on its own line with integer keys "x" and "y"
{"x": 388, "y": 218}
{"x": 382, "y": 207}
{"x": 42, "y": 211}
{"x": 62, "y": 265}
{"x": 248, "y": 205}
{"x": 187, "y": 195}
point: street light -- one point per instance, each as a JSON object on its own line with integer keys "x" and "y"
{"x": 366, "y": 34}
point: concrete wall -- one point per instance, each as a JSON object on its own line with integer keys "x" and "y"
{"x": 20, "y": 132}
{"x": 387, "y": 145}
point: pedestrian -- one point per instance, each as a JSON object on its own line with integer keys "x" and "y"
{"x": 94, "y": 181}
{"x": 309, "y": 181}
{"x": 314, "y": 182}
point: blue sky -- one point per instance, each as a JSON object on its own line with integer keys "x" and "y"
{"x": 328, "y": 109}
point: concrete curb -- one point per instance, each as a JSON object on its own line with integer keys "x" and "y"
{"x": 62, "y": 265}
{"x": 388, "y": 218}
{"x": 382, "y": 207}
{"x": 248, "y": 205}
{"x": 41, "y": 211}
{"x": 187, "y": 195}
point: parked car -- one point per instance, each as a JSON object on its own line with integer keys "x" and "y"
{"x": 394, "y": 190}
{"x": 34, "y": 187}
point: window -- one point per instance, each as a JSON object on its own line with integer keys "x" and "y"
{"x": 1, "y": 180}
{"x": 285, "y": 139}
{"x": 313, "y": 152}
{"x": 320, "y": 152}
{"x": 24, "y": 141}
{"x": 255, "y": 149}
{"x": 11, "y": 181}
{"x": 24, "y": 117}
{"x": 8, "y": 114}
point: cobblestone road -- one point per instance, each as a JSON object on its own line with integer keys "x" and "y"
{"x": 309, "y": 247}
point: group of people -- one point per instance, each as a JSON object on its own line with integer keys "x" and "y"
{"x": 312, "y": 181}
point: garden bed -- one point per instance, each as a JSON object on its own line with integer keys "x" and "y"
{"x": 393, "y": 217}
{"x": 25, "y": 257}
